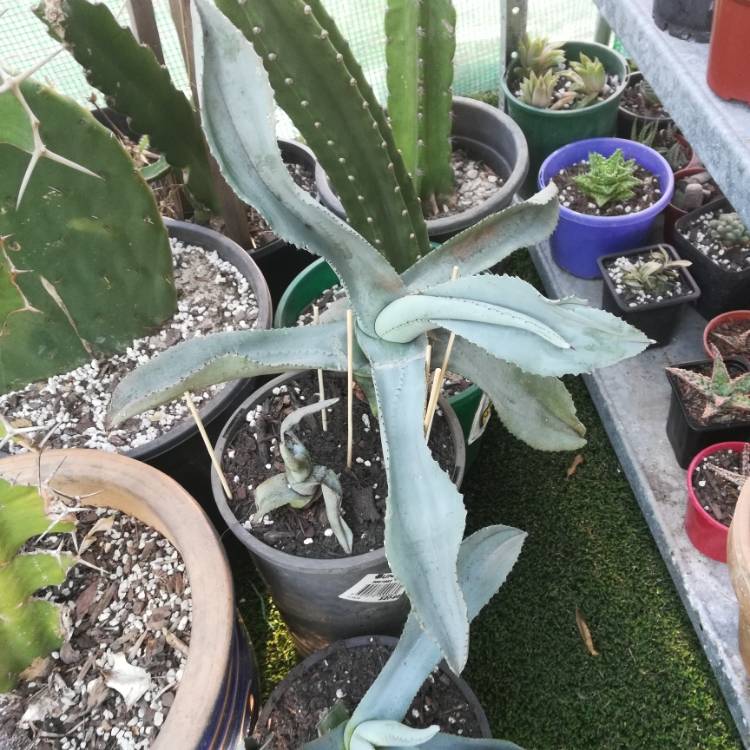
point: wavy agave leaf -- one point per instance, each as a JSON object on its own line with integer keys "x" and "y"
{"x": 594, "y": 337}
{"x": 538, "y": 410}
{"x": 425, "y": 516}
{"x": 380, "y": 734}
{"x": 209, "y": 360}
{"x": 238, "y": 118}
{"x": 488, "y": 242}
{"x": 484, "y": 561}
{"x": 452, "y": 742}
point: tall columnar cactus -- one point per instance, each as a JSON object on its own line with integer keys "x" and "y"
{"x": 509, "y": 339}
{"x": 420, "y": 44}
{"x": 29, "y": 628}
{"x": 85, "y": 263}
{"x": 135, "y": 84}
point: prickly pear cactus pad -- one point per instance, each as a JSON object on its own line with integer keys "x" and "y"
{"x": 29, "y": 628}
{"x": 85, "y": 263}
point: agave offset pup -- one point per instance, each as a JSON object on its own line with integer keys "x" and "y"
{"x": 515, "y": 351}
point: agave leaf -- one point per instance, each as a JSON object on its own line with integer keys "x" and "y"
{"x": 274, "y": 493}
{"x": 595, "y": 338}
{"x": 425, "y": 516}
{"x": 205, "y": 361}
{"x": 238, "y": 117}
{"x": 538, "y": 410}
{"x": 484, "y": 561}
{"x": 332, "y": 494}
{"x": 488, "y": 242}
{"x": 295, "y": 417}
{"x": 384, "y": 733}
{"x": 452, "y": 742}
{"x": 332, "y": 741}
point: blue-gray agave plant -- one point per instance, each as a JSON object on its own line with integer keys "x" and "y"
{"x": 510, "y": 340}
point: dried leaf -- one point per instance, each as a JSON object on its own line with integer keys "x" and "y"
{"x": 96, "y": 693}
{"x": 127, "y": 679}
{"x": 103, "y": 524}
{"x": 577, "y": 461}
{"x": 86, "y": 599}
{"x": 38, "y": 669}
{"x": 583, "y": 629}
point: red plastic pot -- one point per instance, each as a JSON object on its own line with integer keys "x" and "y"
{"x": 727, "y": 75}
{"x": 705, "y": 532}
{"x": 717, "y": 321}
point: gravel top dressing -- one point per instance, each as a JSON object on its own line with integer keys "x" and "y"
{"x": 212, "y": 295}
{"x": 572, "y": 197}
{"x": 730, "y": 257}
{"x": 252, "y": 456}
{"x": 475, "y": 182}
{"x": 344, "y": 676}
{"x": 126, "y": 614}
{"x": 635, "y": 297}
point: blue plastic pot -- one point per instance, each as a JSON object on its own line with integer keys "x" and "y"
{"x": 580, "y": 239}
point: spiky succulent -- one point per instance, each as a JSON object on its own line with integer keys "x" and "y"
{"x": 737, "y": 478}
{"x": 539, "y": 90}
{"x": 726, "y": 398}
{"x": 663, "y": 139}
{"x": 731, "y": 344}
{"x": 729, "y": 229}
{"x": 303, "y": 481}
{"x": 608, "y": 179}
{"x": 653, "y": 273}
{"x": 538, "y": 55}
{"x": 589, "y": 79}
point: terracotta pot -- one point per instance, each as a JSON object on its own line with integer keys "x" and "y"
{"x": 738, "y": 557}
{"x": 217, "y": 700}
{"x": 717, "y": 321}
{"x": 705, "y": 532}
{"x": 727, "y": 75}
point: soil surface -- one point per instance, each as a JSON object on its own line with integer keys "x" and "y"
{"x": 634, "y": 101}
{"x": 212, "y": 295}
{"x": 344, "y": 677}
{"x": 252, "y": 456}
{"x": 126, "y": 614}
{"x": 730, "y": 257}
{"x": 732, "y": 338}
{"x": 572, "y": 197}
{"x": 695, "y": 191}
{"x": 674, "y": 285}
{"x": 695, "y": 403}
{"x": 717, "y": 491}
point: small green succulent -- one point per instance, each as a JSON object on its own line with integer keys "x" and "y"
{"x": 729, "y": 229}
{"x": 653, "y": 273}
{"x": 608, "y": 178}
{"x": 663, "y": 140}
{"x": 538, "y": 55}
{"x": 538, "y": 90}
{"x": 589, "y": 79}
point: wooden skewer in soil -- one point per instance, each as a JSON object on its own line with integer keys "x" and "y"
{"x": 202, "y": 430}
{"x": 432, "y": 402}
{"x": 349, "y": 388}
{"x": 321, "y": 392}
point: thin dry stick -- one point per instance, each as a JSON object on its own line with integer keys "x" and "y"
{"x": 427, "y": 362}
{"x": 207, "y": 442}
{"x": 323, "y": 415}
{"x": 432, "y": 402}
{"x": 349, "y": 388}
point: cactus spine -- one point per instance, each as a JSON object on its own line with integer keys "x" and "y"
{"x": 420, "y": 44}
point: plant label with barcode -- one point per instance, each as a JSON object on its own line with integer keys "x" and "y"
{"x": 374, "y": 588}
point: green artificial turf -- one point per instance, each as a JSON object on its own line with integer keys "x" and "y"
{"x": 650, "y": 687}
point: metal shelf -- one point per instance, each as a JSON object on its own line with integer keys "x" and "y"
{"x": 718, "y": 130}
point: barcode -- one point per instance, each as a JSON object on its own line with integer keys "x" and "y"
{"x": 375, "y": 587}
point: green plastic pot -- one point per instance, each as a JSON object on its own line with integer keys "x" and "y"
{"x": 472, "y": 406}
{"x": 547, "y": 130}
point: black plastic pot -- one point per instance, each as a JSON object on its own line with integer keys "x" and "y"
{"x": 656, "y": 319}
{"x": 721, "y": 290}
{"x": 483, "y": 132}
{"x": 626, "y": 118}
{"x": 181, "y": 452}
{"x": 687, "y": 437}
{"x": 307, "y": 590}
{"x": 300, "y": 670}
{"x": 686, "y": 19}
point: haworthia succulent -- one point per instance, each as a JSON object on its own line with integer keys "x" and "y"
{"x": 85, "y": 263}
{"x": 420, "y": 44}
{"x": 29, "y": 629}
{"x": 320, "y": 85}
{"x": 135, "y": 84}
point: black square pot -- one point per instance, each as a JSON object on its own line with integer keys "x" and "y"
{"x": 721, "y": 290}
{"x": 656, "y": 319}
{"x": 687, "y": 437}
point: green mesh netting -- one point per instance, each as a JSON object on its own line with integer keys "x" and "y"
{"x": 23, "y": 39}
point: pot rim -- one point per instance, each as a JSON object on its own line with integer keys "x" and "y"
{"x": 687, "y": 171}
{"x": 140, "y": 491}
{"x": 667, "y": 188}
{"x": 715, "y": 525}
{"x": 616, "y": 94}
{"x": 363, "y": 641}
{"x": 717, "y": 320}
{"x": 277, "y": 557}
